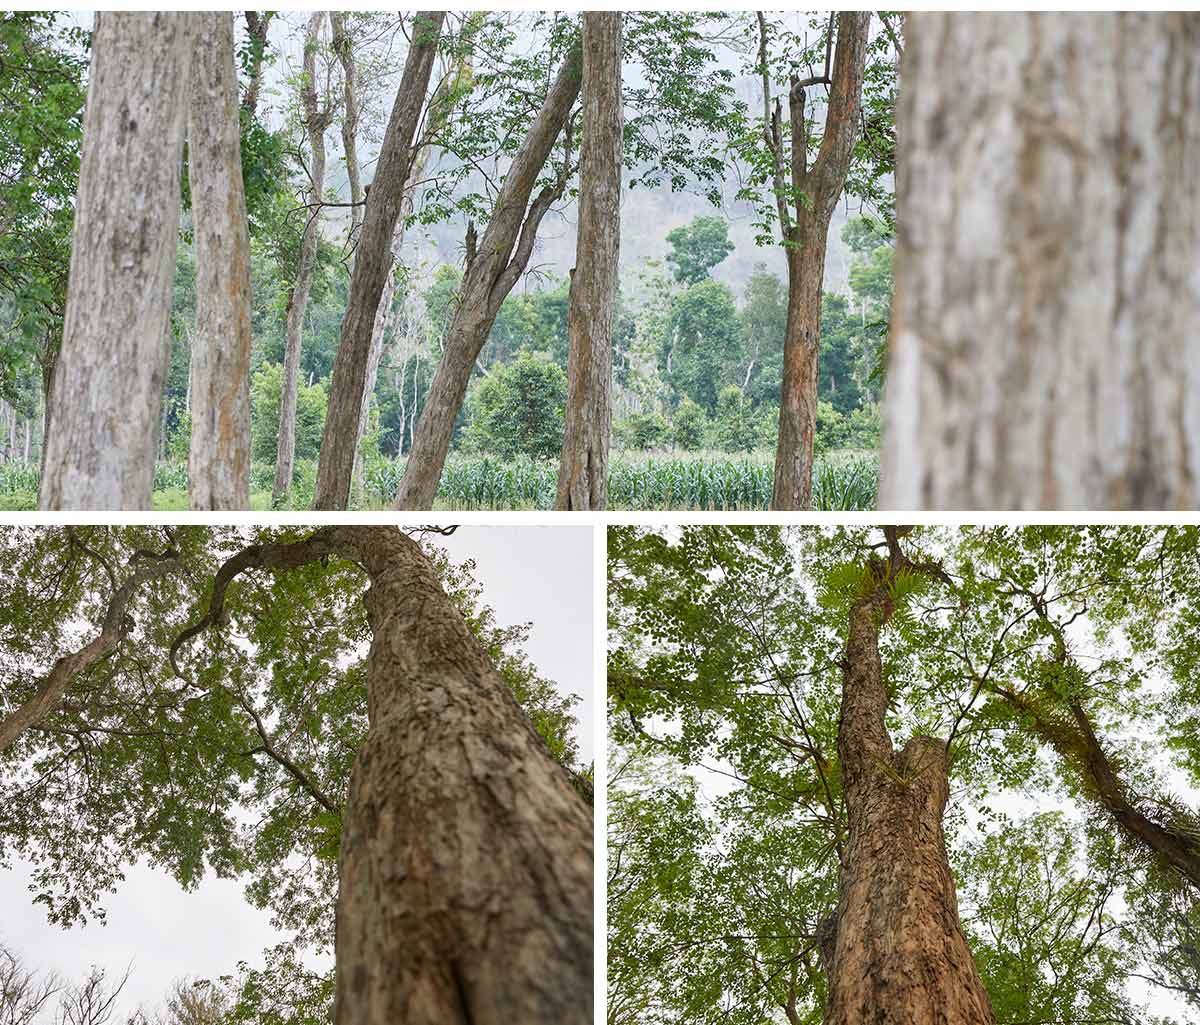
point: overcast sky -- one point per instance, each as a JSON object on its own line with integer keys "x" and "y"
{"x": 541, "y": 575}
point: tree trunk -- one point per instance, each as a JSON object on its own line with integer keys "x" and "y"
{"x": 108, "y": 383}
{"x": 899, "y": 956}
{"x": 344, "y": 48}
{"x": 500, "y": 260}
{"x": 219, "y": 381}
{"x": 317, "y": 120}
{"x": 583, "y": 469}
{"x": 371, "y": 267}
{"x": 1046, "y": 313}
{"x": 816, "y": 190}
{"x": 465, "y": 873}
{"x": 801, "y": 350}
{"x": 257, "y": 23}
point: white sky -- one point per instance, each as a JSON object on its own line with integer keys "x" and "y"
{"x": 542, "y": 575}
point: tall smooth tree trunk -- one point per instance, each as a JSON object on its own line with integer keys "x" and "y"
{"x": 108, "y": 381}
{"x": 804, "y": 229}
{"x": 317, "y": 119}
{"x": 1045, "y": 339}
{"x": 343, "y": 46}
{"x": 372, "y": 264}
{"x": 219, "y": 382}
{"x": 583, "y": 468}
{"x": 899, "y": 956}
{"x": 499, "y": 261}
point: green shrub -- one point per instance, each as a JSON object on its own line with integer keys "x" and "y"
{"x": 735, "y": 426}
{"x": 311, "y": 403}
{"x": 518, "y": 409}
{"x": 689, "y": 426}
{"x": 642, "y": 431}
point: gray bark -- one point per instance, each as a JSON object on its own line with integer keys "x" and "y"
{"x": 371, "y": 267}
{"x": 583, "y": 468}
{"x": 219, "y": 383}
{"x": 108, "y": 381}
{"x": 1045, "y": 341}
{"x": 500, "y": 260}
{"x": 344, "y": 48}
{"x": 317, "y": 120}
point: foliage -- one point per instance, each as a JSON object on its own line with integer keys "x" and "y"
{"x": 518, "y": 409}
{"x": 697, "y": 248}
{"x": 703, "y": 343}
{"x": 642, "y": 430}
{"x": 689, "y": 426}
{"x": 266, "y": 387}
{"x": 734, "y": 427}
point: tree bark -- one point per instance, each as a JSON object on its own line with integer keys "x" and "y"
{"x": 54, "y": 685}
{"x": 108, "y": 382}
{"x": 1044, "y": 349}
{"x": 371, "y": 267}
{"x": 465, "y": 893}
{"x": 344, "y": 48}
{"x": 900, "y": 956}
{"x": 583, "y": 468}
{"x": 257, "y": 23}
{"x": 219, "y": 384}
{"x": 317, "y": 120}
{"x": 816, "y": 190}
{"x": 500, "y": 259}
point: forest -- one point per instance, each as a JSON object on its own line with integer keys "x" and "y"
{"x": 337, "y": 720}
{"x": 904, "y": 774}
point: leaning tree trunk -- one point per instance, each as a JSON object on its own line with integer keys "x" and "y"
{"x": 583, "y": 468}
{"x": 110, "y": 371}
{"x": 219, "y": 384}
{"x": 1045, "y": 326}
{"x": 496, "y": 266}
{"x": 316, "y": 121}
{"x": 372, "y": 264}
{"x": 899, "y": 954}
{"x": 816, "y": 189}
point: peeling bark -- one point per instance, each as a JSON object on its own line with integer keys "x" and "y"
{"x": 583, "y": 469}
{"x": 816, "y": 188}
{"x": 1045, "y": 341}
{"x": 900, "y": 956}
{"x": 317, "y": 120}
{"x": 499, "y": 261}
{"x": 371, "y": 267}
{"x": 219, "y": 382}
{"x": 109, "y": 375}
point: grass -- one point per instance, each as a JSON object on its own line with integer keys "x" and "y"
{"x": 705, "y": 481}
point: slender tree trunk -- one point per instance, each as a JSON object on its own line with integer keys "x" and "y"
{"x": 817, "y": 188}
{"x": 899, "y": 956}
{"x": 28, "y": 441}
{"x": 107, "y": 386}
{"x": 317, "y": 120}
{"x": 500, "y": 260}
{"x": 257, "y": 23}
{"x": 219, "y": 381}
{"x": 344, "y": 48}
{"x": 371, "y": 267}
{"x": 583, "y": 468}
{"x": 1045, "y": 326}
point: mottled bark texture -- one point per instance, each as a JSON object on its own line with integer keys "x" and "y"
{"x": 108, "y": 381}
{"x": 498, "y": 263}
{"x": 317, "y": 119}
{"x": 372, "y": 264}
{"x": 51, "y": 689}
{"x": 900, "y": 956}
{"x": 465, "y": 892}
{"x": 815, "y": 189}
{"x": 583, "y": 468}
{"x": 1045, "y": 341}
{"x": 219, "y": 453}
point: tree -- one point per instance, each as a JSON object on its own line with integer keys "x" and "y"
{"x": 316, "y": 120}
{"x": 805, "y": 195}
{"x": 518, "y": 409}
{"x": 794, "y": 688}
{"x": 697, "y": 248}
{"x": 107, "y": 387}
{"x": 372, "y": 264}
{"x": 219, "y": 454}
{"x": 702, "y": 347}
{"x": 764, "y": 325}
{"x": 1041, "y": 353}
{"x": 493, "y": 267}
{"x": 583, "y": 469}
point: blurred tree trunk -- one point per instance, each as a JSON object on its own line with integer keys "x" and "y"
{"x": 583, "y": 468}
{"x": 495, "y": 266}
{"x": 372, "y": 265}
{"x": 316, "y": 120}
{"x": 257, "y": 23}
{"x": 1045, "y": 337}
{"x": 804, "y": 224}
{"x": 219, "y": 380}
{"x": 108, "y": 381}
{"x": 898, "y": 953}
